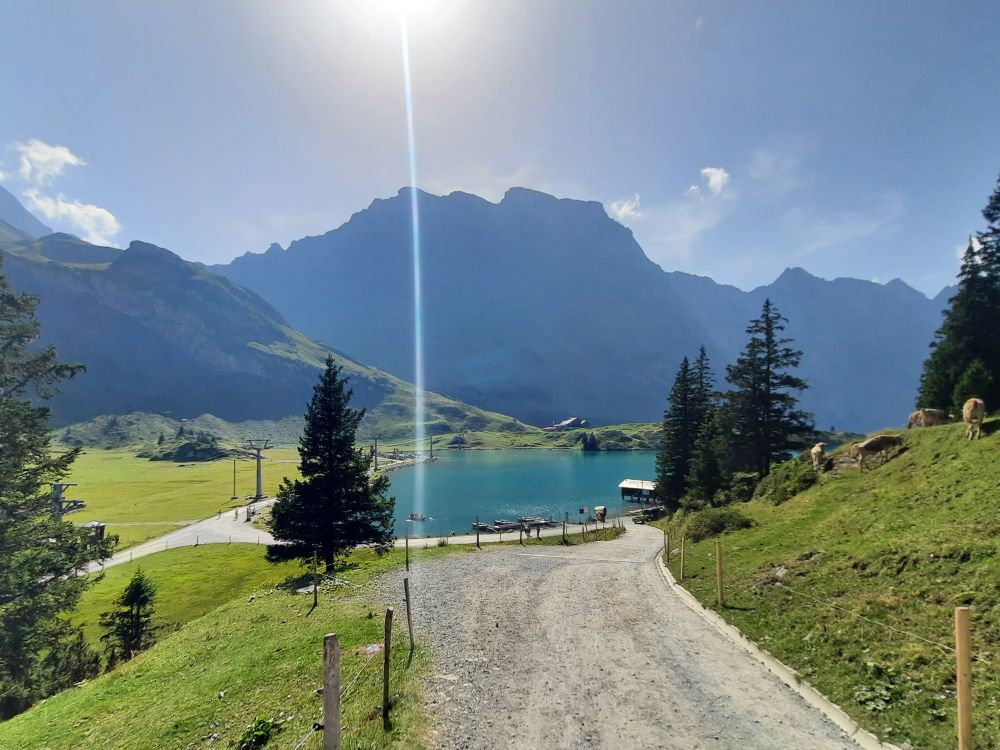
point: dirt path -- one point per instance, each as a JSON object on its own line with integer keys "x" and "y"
{"x": 586, "y": 647}
{"x": 222, "y": 529}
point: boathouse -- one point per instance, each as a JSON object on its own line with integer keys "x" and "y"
{"x": 637, "y": 490}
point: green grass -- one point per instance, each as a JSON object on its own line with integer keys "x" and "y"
{"x": 264, "y": 652}
{"x": 632, "y": 436}
{"x": 118, "y": 486}
{"x": 190, "y": 582}
{"x": 901, "y": 545}
{"x": 235, "y": 631}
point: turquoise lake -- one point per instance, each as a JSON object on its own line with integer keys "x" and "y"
{"x": 459, "y": 485}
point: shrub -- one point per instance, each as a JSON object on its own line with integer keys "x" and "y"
{"x": 787, "y": 480}
{"x": 710, "y": 522}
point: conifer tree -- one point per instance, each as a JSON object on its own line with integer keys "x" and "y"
{"x": 39, "y": 551}
{"x": 706, "y": 473}
{"x": 763, "y": 407}
{"x": 128, "y": 628}
{"x": 969, "y": 338}
{"x": 672, "y": 461}
{"x": 702, "y": 391}
{"x": 335, "y": 506}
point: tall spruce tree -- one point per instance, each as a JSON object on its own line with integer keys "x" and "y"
{"x": 673, "y": 459}
{"x": 763, "y": 407}
{"x": 965, "y": 353}
{"x": 702, "y": 392}
{"x": 128, "y": 628}
{"x": 336, "y": 505}
{"x": 39, "y": 551}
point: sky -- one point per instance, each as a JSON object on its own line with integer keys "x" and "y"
{"x": 734, "y": 139}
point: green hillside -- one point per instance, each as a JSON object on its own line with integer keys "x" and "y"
{"x": 901, "y": 546}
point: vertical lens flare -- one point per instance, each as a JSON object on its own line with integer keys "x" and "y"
{"x": 418, "y": 333}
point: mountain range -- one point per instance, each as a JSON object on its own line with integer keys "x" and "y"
{"x": 542, "y": 308}
{"x": 159, "y": 334}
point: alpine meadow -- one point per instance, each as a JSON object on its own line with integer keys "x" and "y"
{"x": 449, "y": 374}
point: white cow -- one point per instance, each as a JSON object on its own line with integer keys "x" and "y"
{"x": 973, "y": 412}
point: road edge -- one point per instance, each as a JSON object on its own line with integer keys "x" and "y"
{"x": 779, "y": 669}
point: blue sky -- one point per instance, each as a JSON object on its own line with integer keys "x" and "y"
{"x": 735, "y": 139}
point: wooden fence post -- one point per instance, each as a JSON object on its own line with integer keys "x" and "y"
{"x": 387, "y": 648}
{"x": 520, "y": 535}
{"x": 409, "y": 618}
{"x": 666, "y": 547}
{"x": 331, "y": 692}
{"x": 477, "y": 532}
{"x": 964, "y": 677}
{"x": 720, "y": 595}
{"x": 407, "y": 549}
{"x": 683, "y": 540}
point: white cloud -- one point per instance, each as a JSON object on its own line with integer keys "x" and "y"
{"x": 717, "y": 178}
{"x": 96, "y": 225}
{"x": 628, "y": 208}
{"x": 41, "y": 161}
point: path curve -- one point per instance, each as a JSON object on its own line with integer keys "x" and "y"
{"x": 587, "y": 647}
{"x": 222, "y": 529}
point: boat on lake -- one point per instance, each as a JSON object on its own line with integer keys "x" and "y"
{"x": 418, "y": 517}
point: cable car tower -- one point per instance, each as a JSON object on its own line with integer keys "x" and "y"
{"x": 258, "y": 447}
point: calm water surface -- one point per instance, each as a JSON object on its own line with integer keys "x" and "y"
{"x": 507, "y": 484}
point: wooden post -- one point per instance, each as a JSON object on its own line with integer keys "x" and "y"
{"x": 681, "y": 577}
{"x": 477, "y": 532}
{"x": 666, "y": 547}
{"x": 315, "y": 583}
{"x": 331, "y": 692}
{"x": 564, "y": 532}
{"x": 720, "y": 595}
{"x": 407, "y": 549}
{"x": 386, "y": 648}
{"x": 196, "y": 540}
{"x": 520, "y": 535}
{"x": 963, "y": 674}
{"x": 409, "y": 618}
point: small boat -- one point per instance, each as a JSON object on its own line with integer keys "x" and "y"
{"x": 485, "y": 527}
{"x": 418, "y": 517}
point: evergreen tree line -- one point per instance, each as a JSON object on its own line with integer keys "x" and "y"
{"x": 965, "y": 354}
{"x": 718, "y": 444}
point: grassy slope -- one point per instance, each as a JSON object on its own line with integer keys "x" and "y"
{"x": 264, "y": 652}
{"x": 190, "y": 582}
{"x": 901, "y": 545}
{"x": 118, "y": 486}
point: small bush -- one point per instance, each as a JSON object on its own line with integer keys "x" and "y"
{"x": 710, "y": 522}
{"x": 787, "y": 480}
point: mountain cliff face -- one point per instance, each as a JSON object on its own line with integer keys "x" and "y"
{"x": 159, "y": 334}
{"x": 540, "y": 307}
{"x": 17, "y": 217}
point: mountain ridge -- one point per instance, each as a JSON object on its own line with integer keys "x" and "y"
{"x": 541, "y": 306}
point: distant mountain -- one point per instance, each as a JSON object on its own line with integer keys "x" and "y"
{"x": 18, "y": 217}
{"x": 159, "y": 334}
{"x": 540, "y": 307}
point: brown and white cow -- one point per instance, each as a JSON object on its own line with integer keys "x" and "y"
{"x": 817, "y": 454}
{"x": 874, "y": 446}
{"x": 973, "y": 412}
{"x": 929, "y": 418}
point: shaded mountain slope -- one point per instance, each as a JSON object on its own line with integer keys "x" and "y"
{"x": 159, "y": 334}
{"x": 540, "y": 308}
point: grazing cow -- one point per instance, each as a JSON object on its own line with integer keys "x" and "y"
{"x": 929, "y": 418}
{"x": 972, "y": 414}
{"x": 874, "y": 446}
{"x": 817, "y": 454}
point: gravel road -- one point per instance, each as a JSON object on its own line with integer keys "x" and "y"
{"x": 587, "y": 647}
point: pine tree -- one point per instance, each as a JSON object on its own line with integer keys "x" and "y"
{"x": 672, "y": 461}
{"x": 706, "y": 475}
{"x": 766, "y": 420}
{"x": 336, "y": 505}
{"x": 39, "y": 551}
{"x": 702, "y": 391}
{"x": 971, "y": 328}
{"x": 128, "y": 628}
